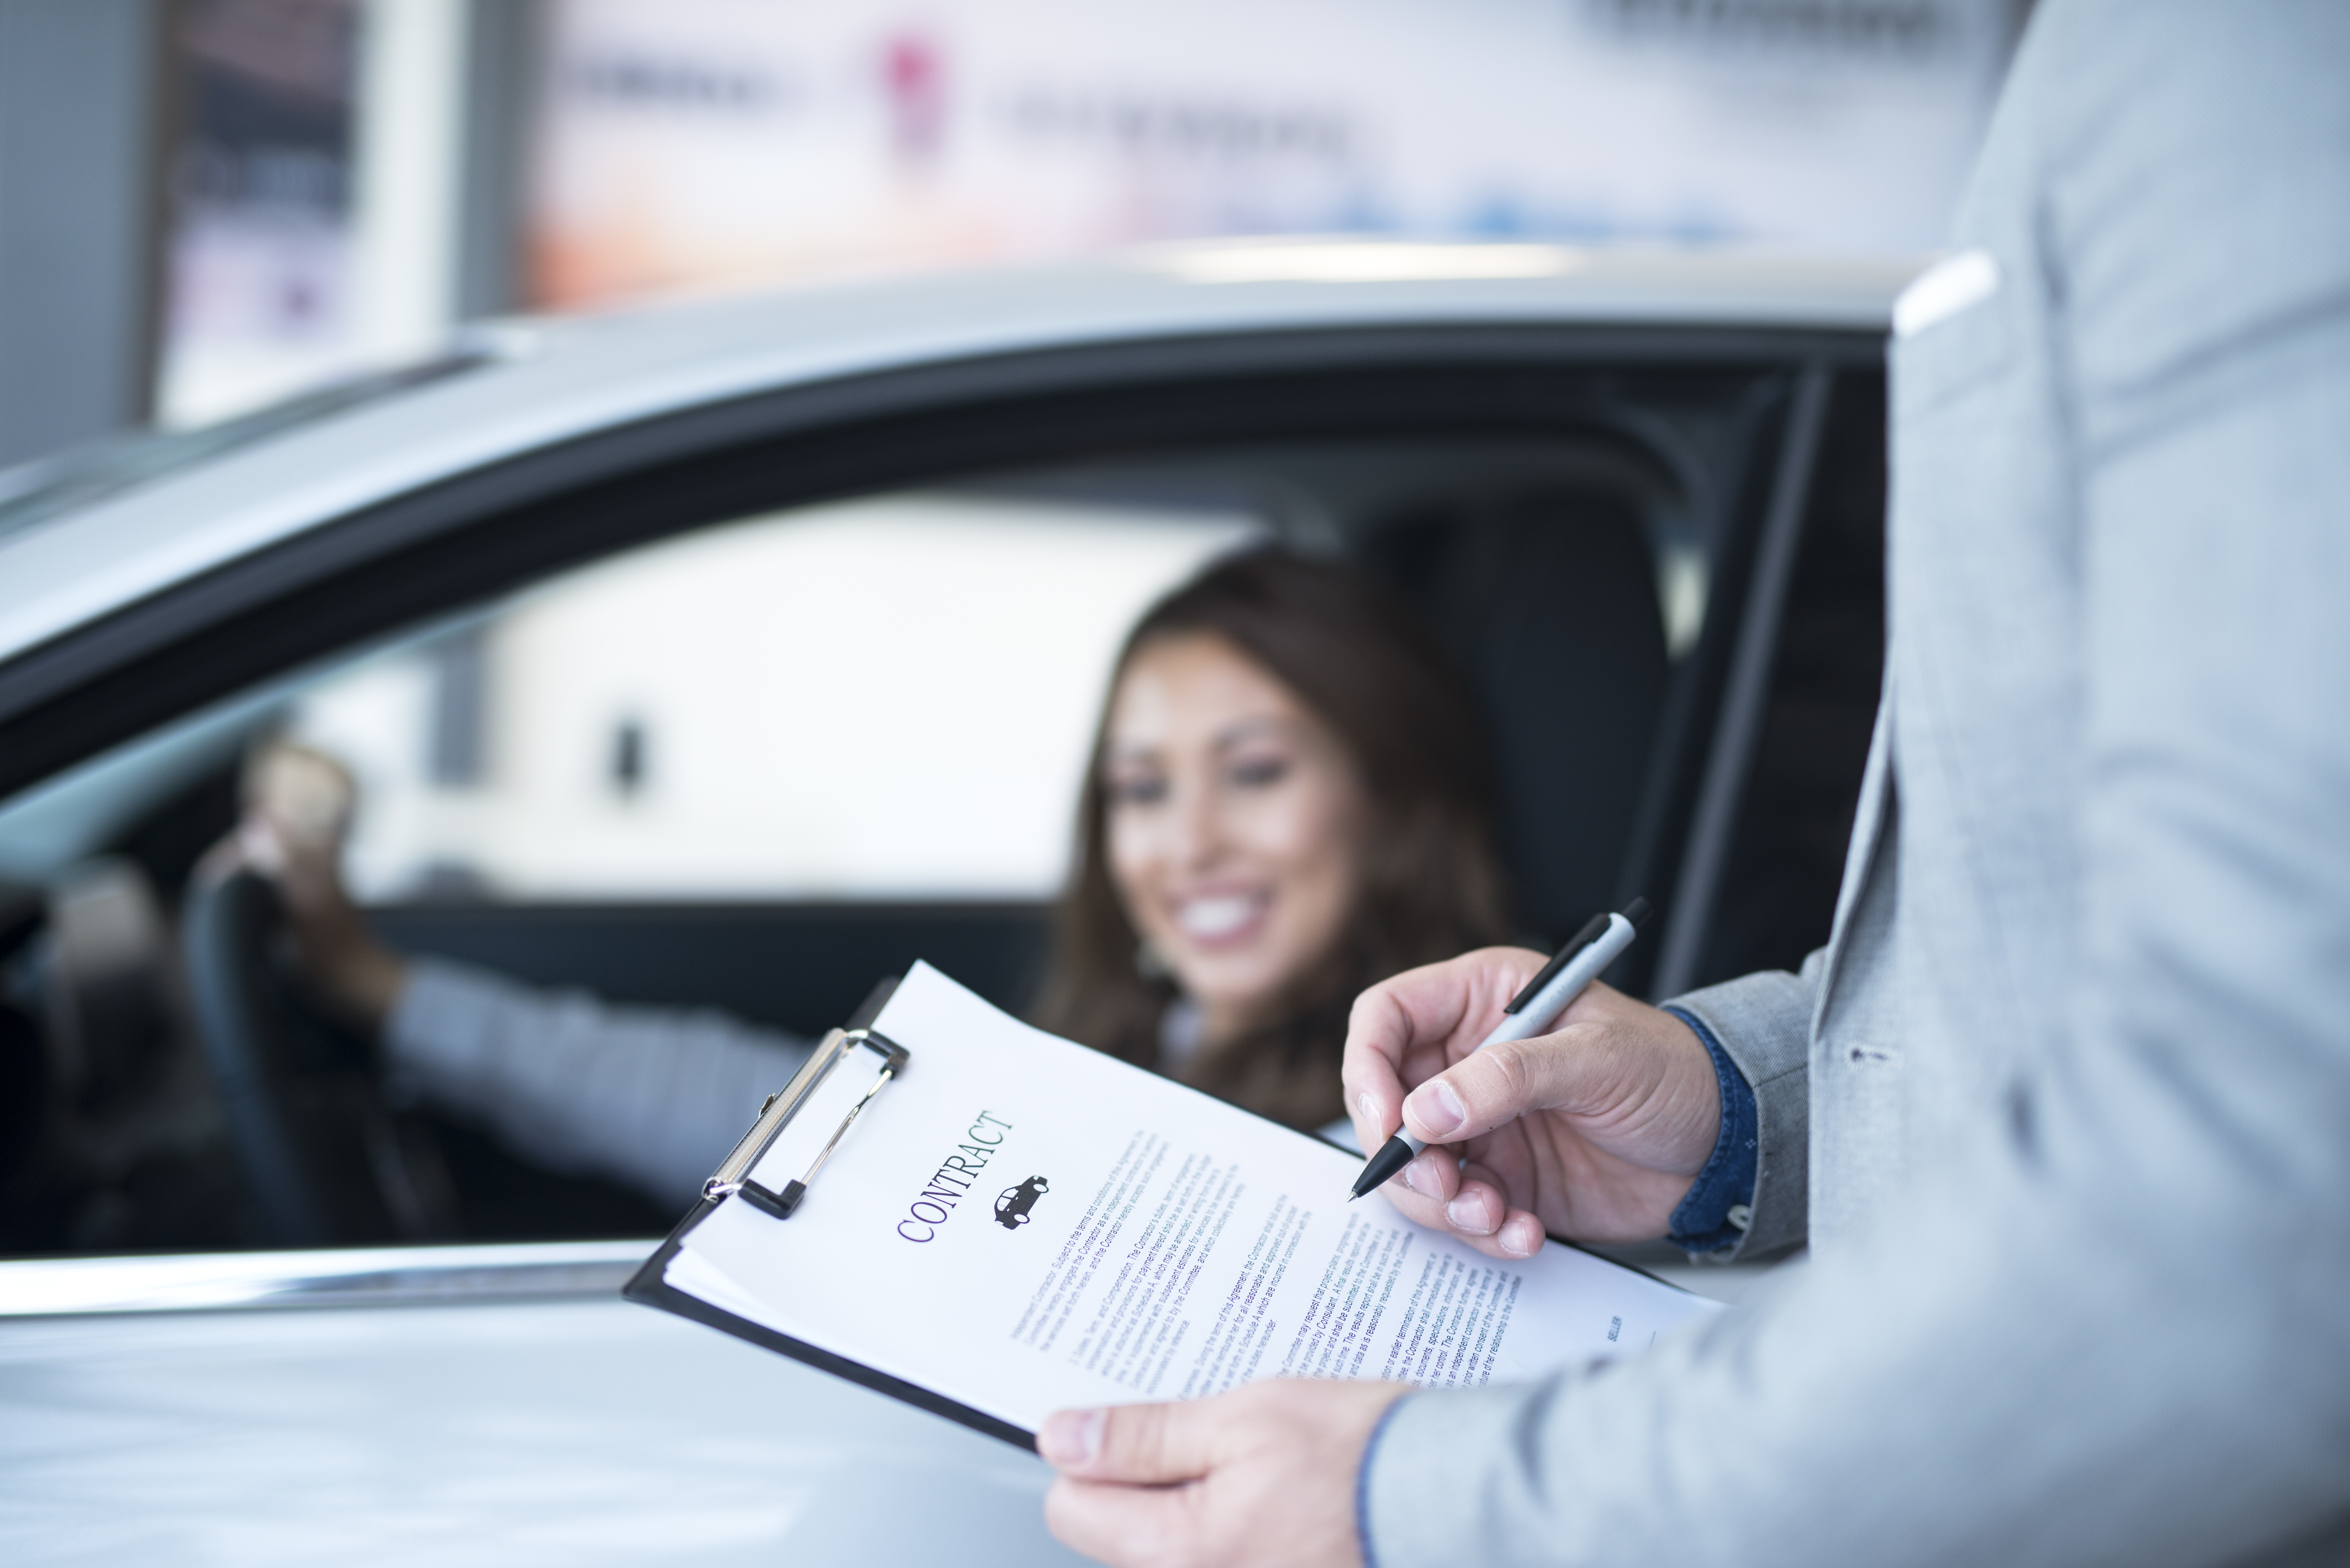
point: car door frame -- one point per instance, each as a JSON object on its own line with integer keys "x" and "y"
{"x": 350, "y": 578}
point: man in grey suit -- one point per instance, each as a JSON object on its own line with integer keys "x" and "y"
{"x": 2063, "y": 1108}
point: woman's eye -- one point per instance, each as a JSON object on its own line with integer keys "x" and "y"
{"x": 1259, "y": 771}
{"x": 1137, "y": 791}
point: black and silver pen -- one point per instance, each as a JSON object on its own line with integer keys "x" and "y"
{"x": 1531, "y": 1013}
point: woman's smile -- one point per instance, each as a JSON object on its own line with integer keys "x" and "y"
{"x": 1221, "y": 919}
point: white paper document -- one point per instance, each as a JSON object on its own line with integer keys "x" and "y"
{"x": 1022, "y": 1225}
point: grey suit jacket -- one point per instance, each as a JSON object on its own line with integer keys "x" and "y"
{"x": 2064, "y": 1109}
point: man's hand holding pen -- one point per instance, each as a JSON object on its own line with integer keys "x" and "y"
{"x": 1593, "y": 1131}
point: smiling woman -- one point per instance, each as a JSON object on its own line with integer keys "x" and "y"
{"x": 1288, "y": 803}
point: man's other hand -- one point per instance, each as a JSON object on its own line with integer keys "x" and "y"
{"x": 1264, "y": 1474}
{"x": 1593, "y": 1131}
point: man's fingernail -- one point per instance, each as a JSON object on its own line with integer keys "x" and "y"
{"x": 1072, "y": 1437}
{"x": 1522, "y": 1238}
{"x": 1468, "y": 1214}
{"x": 1411, "y": 1179}
{"x": 1368, "y": 1108}
{"x": 1435, "y": 1107}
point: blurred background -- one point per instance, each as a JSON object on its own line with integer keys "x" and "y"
{"x": 756, "y": 762}
{"x": 207, "y": 205}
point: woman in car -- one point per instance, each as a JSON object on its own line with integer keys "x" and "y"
{"x": 1286, "y": 803}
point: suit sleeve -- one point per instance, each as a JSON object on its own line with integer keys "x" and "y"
{"x": 649, "y": 1096}
{"x": 2107, "y": 1324}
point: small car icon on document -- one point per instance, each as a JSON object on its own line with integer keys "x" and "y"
{"x": 1011, "y": 1205}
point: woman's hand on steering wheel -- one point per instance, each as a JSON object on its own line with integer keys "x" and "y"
{"x": 297, "y": 807}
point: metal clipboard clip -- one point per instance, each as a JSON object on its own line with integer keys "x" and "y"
{"x": 734, "y": 1176}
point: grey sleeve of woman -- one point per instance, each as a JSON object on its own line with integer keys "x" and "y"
{"x": 650, "y": 1096}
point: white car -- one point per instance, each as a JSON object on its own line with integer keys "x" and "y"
{"x": 735, "y": 654}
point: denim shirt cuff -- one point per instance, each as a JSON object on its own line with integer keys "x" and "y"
{"x": 1713, "y": 1217}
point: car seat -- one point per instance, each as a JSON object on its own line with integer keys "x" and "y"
{"x": 1549, "y": 604}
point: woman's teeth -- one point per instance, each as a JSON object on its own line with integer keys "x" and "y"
{"x": 1216, "y": 916}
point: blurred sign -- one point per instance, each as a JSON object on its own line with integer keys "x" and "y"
{"x": 259, "y": 265}
{"x": 708, "y": 144}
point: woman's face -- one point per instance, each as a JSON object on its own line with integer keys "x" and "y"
{"x": 1234, "y": 825}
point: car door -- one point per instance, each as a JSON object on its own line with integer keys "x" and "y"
{"x": 1655, "y": 548}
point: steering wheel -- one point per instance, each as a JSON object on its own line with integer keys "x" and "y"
{"x": 327, "y": 1161}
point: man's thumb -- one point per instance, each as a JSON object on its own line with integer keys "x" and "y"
{"x": 1496, "y": 1086}
{"x": 1435, "y": 1112}
{"x": 1146, "y": 1444}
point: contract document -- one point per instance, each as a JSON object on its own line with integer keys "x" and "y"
{"x": 1018, "y": 1225}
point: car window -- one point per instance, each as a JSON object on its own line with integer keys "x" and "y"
{"x": 888, "y": 699}
{"x": 750, "y": 769}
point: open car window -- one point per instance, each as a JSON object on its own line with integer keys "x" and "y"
{"x": 752, "y": 766}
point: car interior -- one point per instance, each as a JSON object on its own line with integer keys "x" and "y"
{"x": 1664, "y": 582}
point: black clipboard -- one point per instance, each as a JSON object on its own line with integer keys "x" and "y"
{"x": 649, "y": 1286}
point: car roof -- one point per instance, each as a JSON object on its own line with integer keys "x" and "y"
{"x": 528, "y": 384}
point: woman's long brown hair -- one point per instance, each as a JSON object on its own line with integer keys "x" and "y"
{"x": 1431, "y": 884}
